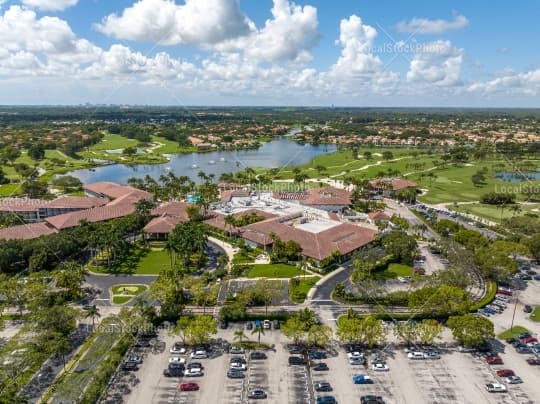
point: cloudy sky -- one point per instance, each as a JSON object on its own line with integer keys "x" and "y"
{"x": 270, "y": 52}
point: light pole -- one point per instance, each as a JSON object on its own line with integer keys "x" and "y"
{"x": 514, "y": 313}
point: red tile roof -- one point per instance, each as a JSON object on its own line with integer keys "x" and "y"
{"x": 172, "y": 209}
{"x": 69, "y": 202}
{"x": 395, "y": 184}
{"x": 328, "y": 196}
{"x": 26, "y": 231}
{"x": 378, "y": 215}
{"x": 116, "y": 191}
{"x": 99, "y": 214}
{"x": 226, "y": 196}
{"x": 162, "y": 225}
{"x": 22, "y": 204}
{"x": 217, "y": 219}
{"x": 344, "y": 237}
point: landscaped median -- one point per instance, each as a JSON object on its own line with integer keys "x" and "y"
{"x": 273, "y": 271}
{"x": 87, "y": 374}
{"x": 300, "y": 286}
{"x": 124, "y": 293}
{"x": 139, "y": 260}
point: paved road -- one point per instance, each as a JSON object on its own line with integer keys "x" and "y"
{"x": 106, "y": 282}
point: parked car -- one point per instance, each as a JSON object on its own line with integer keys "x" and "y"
{"x": 275, "y": 323}
{"x": 235, "y": 374}
{"x": 504, "y": 291}
{"x": 193, "y": 373}
{"x": 177, "y": 360}
{"x": 524, "y": 349}
{"x": 296, "y": 349}
{"x": 326, "y": 400}
{"x": 319, "y": 367}
{"x": 257, "y": 355}
{"x": 256, "y": 394}
{"x": 223, "y": 324}
{"x": 189, "y": 387}
{"x": 178, "y": 349}
{"x": 249, "y": 325}
{"x": 199, "y": 355}
{"x": 296, "y": 360}
{"x": 322, "y": 386}
{"x": 528, "y": 340}
{"x": 525, "y": 334}
{"x": 238, "y": 366}
{"x": 236, "y": 350}
{"x": 431, "y": 355}
{"x": 238, "y": 359}
{"x": 371, "y": 399}
{"x": 267, "y": 325}
{"x": 135, "y": 359}
{"x": 415, "y": 355}
{"x": 533, "y": 361}
{"x": 496, "y": 388}
{"x": 505, "y": 373}
{"x": 380, "y": 367}
{"x": 494, "y": 360}
{"x": 362, "y": 379}
{"x": 173, "y": 372}
{"x": 356, "y": 361}
{"x": 129, "y": 366}
{"x": 466, "y": 349}
{"x": 195, "y": 365}
{"x": 513, "y": 379}
{"x": 317, "y": 355}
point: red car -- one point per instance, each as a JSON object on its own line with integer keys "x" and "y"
{"x": 504, "y": 291}
{"x": 527, "y": 340}
{"x": 505, "y": 373}
{"x": 494, "y": 360}
{"x": 189, "y": 387}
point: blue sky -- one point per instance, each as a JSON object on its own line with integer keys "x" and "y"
{"x": 270, "y": 52}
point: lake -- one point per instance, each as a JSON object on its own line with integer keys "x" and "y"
{"x": 278, "y": 153}
{"x": 510, "y": 176}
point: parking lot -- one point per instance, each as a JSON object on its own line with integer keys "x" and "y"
{"x": 454, "y": 378}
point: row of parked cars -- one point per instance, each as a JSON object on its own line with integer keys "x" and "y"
{"x": 499, "y": 304}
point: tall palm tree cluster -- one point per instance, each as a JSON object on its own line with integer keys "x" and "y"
{"x": 187, "y": 240}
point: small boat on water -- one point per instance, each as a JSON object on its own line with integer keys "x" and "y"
{"x": 222, "y": 159}
{"x": 194, "y": 166}
{"x": 211, "y": 162}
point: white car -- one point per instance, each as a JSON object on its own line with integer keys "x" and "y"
{"x": 238, "y": 366}
{"x": 355, "y": 355}
{"x": 402, "y": 279}
{"x": 496, "y": 388}
{"x": 178, "y": 349}
{"x": 380, "y": 367}
{"x": 415, "y": 355}
{"x": 176, "y": 360}
{"x": 193, "y": 372}
{"x": 267, "y": 324}
{"x": 236, "y": 350}
{"x": 199, "y": 355}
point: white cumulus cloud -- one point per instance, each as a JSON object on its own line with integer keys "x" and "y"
{"x": 427, "y": 26}
{"x": 527, "y": 83}
{"x": 290, "y": 34}
{"x": 436, "y": 63}
{"x": 164, "y": 21}
{"x": 49, "y": 5}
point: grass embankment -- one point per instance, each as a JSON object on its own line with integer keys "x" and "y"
{"x": 393, "y": 271}
{"x": 495, "y": 213}
{"x": 140, "y": 261}
{"x": 299, "y": 287}
{"x": 88, "y": 372}
{"x": 491, "y": 291}
{"x": 20, "y": 358}
{"x": 246, "y": 257}
{"x": 513, "y": 332}
{"x": 535, "y": 315}
{"x": 273, "y": 271}
{"x": 124, "y": 293}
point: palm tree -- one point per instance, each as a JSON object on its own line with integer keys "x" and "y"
{"x": 171, "y": 248}
{"x": 230, "y": 221}
{"x": 93, "y": 313}
{"x": 239, "y": 335}
{"x": 259, "y": 330}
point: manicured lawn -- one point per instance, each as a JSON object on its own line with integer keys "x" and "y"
{"x": 298, "y": 292}
{"x": 139, "y": 261}
{"x": 273, "y": 271}
{"x": 113, "y": 142}
{"x": 128, "y": 289}
{"x": 393, "y": 271}
{"x": 493, "y": 213}
{"x": 512, "y": 333}
{"x": 8, "y": 190}
{"x": 170, "y": 147}
{"x": 535, "y": 315}
{"x": 121, "y": 299}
